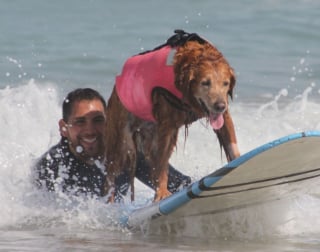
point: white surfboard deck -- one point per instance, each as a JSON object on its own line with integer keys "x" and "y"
{"x": 255, "y": 177}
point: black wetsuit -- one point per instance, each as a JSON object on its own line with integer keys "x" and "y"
{"x": 59, "y": 169}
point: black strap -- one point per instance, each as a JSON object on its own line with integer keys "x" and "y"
{"x": 178, "y": 39}
{"x": 177, "y": 103}
{"x": 181, "y": 37}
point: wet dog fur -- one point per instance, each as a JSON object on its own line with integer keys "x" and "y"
{"x": 206, "y": 80}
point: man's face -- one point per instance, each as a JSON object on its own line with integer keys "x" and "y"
{"x": 85, "y": 129}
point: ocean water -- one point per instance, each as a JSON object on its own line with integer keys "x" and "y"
{"x": 49, "y": 48}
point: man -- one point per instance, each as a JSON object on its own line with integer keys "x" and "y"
{"x": 75, "y": 164}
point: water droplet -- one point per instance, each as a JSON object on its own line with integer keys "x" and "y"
{"x": 79, "y": 149}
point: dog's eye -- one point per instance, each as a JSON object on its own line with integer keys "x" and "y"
{"x": 206, "y": 83}
{"x": 226, "y": 83}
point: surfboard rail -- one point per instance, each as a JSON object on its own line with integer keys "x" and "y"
{"x": 210, "y": 186}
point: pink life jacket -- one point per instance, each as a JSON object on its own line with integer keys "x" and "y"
{"x": 140, "y": 75}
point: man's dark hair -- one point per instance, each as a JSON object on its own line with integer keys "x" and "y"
{"x": 76, "y": 95}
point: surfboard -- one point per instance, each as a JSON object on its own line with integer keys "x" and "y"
{"x": 263, "y": 174}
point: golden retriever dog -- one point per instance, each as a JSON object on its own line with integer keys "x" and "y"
{"x": 159, "y": 91}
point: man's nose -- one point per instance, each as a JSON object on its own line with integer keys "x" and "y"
{"x": 90, "y": 126}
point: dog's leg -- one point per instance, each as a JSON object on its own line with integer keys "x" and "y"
{"x": 166, "y": 142}
{"x": 129, "y": 151}
{"x": 124, "y": 166}
{"x": 121, "y": 161}
{"x": 120, "y": 149}
{"x": 109, "y": 186}
{"x": 227, "y": 137}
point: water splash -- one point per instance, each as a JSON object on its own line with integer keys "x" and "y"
{"x": 274, "y": 103}
{"x": 28, "y": 130}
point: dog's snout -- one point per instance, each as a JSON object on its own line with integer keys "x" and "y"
{"x": 219, "y": 107}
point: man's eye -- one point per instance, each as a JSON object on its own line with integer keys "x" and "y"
{"x": 99, "y": 119}
{"x": 79, "y": 122}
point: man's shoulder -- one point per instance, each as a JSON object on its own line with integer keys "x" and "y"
{"x": 55, "y": 154}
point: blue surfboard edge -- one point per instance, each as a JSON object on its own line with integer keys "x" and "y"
{"x": 212, "y": 178}
{"x": 173, "y": 202}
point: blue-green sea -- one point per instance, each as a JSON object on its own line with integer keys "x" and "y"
{"x": 48, "y": 48}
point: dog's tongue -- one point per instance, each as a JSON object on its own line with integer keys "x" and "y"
{"x": 216, "y": 121}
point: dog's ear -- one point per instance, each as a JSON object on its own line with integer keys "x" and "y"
{"x": 184, "y": 75}
{"x": 232, "y": 83}
{"x": 189, "y": 81}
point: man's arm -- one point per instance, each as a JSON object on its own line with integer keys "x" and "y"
{"x": 176, "y": 180}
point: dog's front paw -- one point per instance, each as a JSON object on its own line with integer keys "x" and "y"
{"x": 161, "y": 194}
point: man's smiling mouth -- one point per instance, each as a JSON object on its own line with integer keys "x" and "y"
{"x": 89, "y": 140}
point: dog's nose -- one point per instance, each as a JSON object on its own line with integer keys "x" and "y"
{"x": 219, "y": 107}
